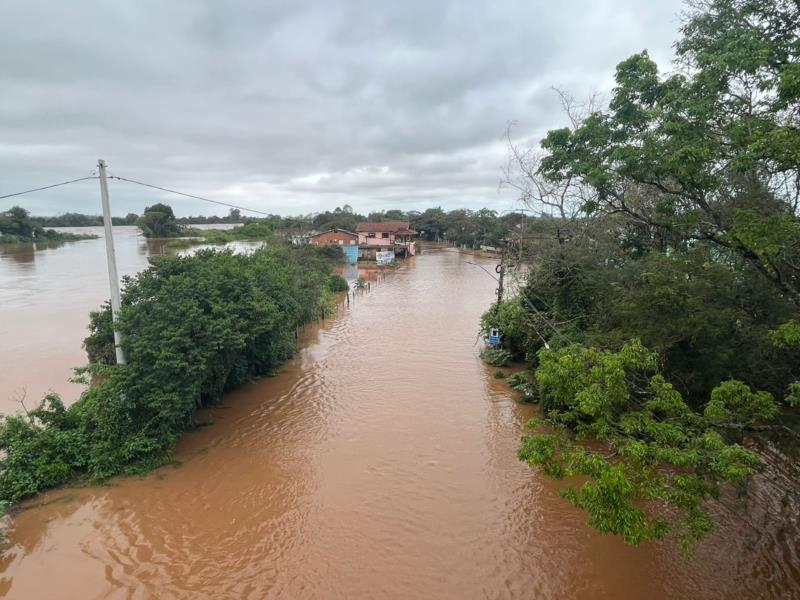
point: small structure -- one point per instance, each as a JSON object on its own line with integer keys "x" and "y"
{"x": 494, "y": 337}
{"x": 338, "y": 237}
{"x": 386, "y": 236}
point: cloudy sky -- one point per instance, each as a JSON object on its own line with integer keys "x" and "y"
{"x": 297, "y": 107}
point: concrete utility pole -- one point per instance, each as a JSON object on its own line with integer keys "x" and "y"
{"x": 111, "y": 258}
{"x": 501, "y": 271}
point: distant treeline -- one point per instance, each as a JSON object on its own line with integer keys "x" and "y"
{"x": 79, "y": 220}
{"x": 17, "y": 226}
{"x": 461, "y": 226}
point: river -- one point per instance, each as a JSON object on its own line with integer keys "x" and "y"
{"x": 46, "y": 293}
{"x": 379, "y": 463}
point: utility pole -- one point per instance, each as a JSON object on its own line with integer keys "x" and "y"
{"x": 111, "y": 259}
{"x": 501, "y": 271}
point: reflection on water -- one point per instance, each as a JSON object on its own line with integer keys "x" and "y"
{"x": 25, "y": 254}
{"x": 380, "y": 463}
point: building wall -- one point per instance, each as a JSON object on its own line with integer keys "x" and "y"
{"x": 334, "y": 237}
{"x": 378, "y": 240}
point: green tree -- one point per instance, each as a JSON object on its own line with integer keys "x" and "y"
{"x": 656, "y": 449}
{"x": 431, "y": 224}
{"x": 158, "y": 221}
{"x": 16, "y": 222}
{"x": 688, "y": 189}
{"x": 16, "y": 225}
{"x": 713, "y": 147}
{"x": 193, "y": 327}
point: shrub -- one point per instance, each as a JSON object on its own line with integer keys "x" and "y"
{"x": 656, "y": 447}
{"x": 496, "y": 357}
{"x": 337, "y": 283}
{"x": 524, "y": 383}
{"x": 193, "y": 328}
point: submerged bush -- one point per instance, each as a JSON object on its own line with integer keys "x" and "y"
{"x": 193, "y": 328}
{"x": 338, "y": 283}
{"x": 524, "y": 383}
{"x": 496, "y": 357}
{"x": 660, "y": 460}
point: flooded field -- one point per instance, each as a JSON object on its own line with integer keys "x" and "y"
{"x": 380, "y": 463}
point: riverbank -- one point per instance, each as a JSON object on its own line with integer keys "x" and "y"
{"x": 48, "y": 236}
{"x": 17, "y": 227}
{"x": 46, "y": 293}
{"x": 380, "y": 462}
{"x": 192, "y": 328}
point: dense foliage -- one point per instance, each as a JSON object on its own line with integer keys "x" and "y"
{"x": 659, "y": 313}
{"x": 193, "y": 327}
{"x": 158, "y": 221}
{"x": 621, "y": 399}
{"x": 81, "y": 220}
{"x": 460, "y": 227}
{"x": 16, "y": 226}
{"x": 234, "y": 216}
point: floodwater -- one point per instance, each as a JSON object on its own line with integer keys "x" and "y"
{"x": 46, "y": 293}
{"x": 380, "y": 463}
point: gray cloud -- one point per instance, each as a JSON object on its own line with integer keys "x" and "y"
{"x": 297, "y": 107}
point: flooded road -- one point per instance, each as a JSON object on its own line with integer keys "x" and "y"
{"x": 380, "y": 463}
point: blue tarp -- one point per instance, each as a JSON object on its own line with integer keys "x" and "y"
{"x": 351, "y": 252}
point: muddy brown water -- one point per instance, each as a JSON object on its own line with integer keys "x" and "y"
{"x": 46, "y": 293}
{"x": 380, "y": 463}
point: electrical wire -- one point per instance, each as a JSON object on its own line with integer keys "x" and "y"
{"x": 47, "y": 187}
{"x": 163, "y": 189}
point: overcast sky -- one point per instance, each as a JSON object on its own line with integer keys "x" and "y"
{"x": 297, "y": 107}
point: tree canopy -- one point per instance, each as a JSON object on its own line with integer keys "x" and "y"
{"x": 16, "y": 225}
{"x": 659, "y": 313}
{"x": 158, "y": 221}
{"x": 192, "y": 328}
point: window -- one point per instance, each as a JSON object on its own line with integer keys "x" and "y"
{"x": 371, "y": 234}
{"x": 352, "y": 242}
{"x": 385, "y": 235}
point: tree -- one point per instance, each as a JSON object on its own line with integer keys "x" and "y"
{"x": 711, "y": 150}
{"x": 394, "y": 215}
{"x": 158, "y": 221}
{"x": 193, "y": 327}
{"x": 16, "y": 225}
{"x": 430, "y": 224}
{"x": 665, "y": 214}
{"x": 661, "y": 449}
{"x": 16, "y": 222}
{"x": 490, "y": 228}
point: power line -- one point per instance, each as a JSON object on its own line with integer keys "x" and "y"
{"x": 47, "y": 187}
{"x": 163, "y": 189}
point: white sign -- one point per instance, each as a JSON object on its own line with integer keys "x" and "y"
{"x": 384, "y": 258}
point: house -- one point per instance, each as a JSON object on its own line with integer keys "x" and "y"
{"x": 338, "y": 237}
{"x": 385, "y": 236}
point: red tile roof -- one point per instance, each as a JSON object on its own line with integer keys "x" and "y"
{"x": 335, "y": 230}
{"x": 390, "y": 226}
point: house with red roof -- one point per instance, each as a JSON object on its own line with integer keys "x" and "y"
{"x": 385, "y": 236}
